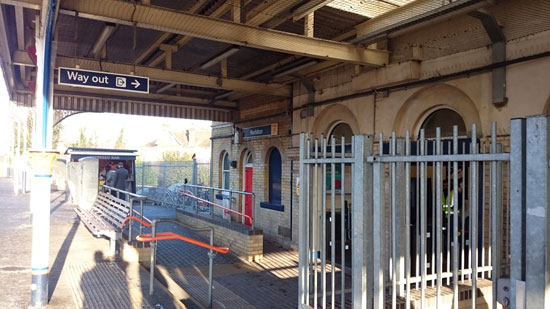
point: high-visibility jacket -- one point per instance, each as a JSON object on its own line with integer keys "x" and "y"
{"x": 448, "y": 205}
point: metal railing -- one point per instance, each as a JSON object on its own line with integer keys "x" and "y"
{"x": 405, "y": 234}
{"x": 154, "y": 237}
{"x": 225, "y": 209}
{"x": 131, "y": 198}
{"x": 206, "y": 194}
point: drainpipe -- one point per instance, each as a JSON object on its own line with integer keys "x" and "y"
{"x": 41, "y": 164}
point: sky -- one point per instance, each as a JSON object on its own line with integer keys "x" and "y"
{"x": 138, "y": 130}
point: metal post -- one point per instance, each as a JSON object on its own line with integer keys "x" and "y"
{"x": 153, "y": 258}
{"x": 517, "y": 211}
{"x": 131, "y": 222}
{"x": 496, "y": 216}
{"x": 362, "y": 205}
{"x": 343, "y": 225}
{"x": 302, "y": 222}
{"x": 194, "y": 181}
{"x": 422, "y": 222}
{"x": 393, "y": 223}
{"x": 408, "y": 222}
{"x": 455, "y": 214}
{"x": 537, "y": 222}
{"x": 376, "y": 221}
{"x": 142, "y": 176}
{"x": 142, "y": 216}
{"x": 42, "y": 160}
{"x": 211, "y": 255}
{"x": 164, "y": 166}
{"x": 438, "y": 206}
{"x": 473, "y": 217}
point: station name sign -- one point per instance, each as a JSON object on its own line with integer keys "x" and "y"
{"x": 102, "y": 80}
{"x": 265, "y": 130}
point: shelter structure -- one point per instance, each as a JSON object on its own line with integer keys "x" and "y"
{"x": 267, "y": 71}
{"x": 106, "y": 158}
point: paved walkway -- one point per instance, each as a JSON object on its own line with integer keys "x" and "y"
{"x": 82, "y": 276}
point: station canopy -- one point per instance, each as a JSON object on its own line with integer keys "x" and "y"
{"x": 203, "y": 58}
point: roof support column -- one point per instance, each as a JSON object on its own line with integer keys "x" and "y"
{"x": 42, "y": 158}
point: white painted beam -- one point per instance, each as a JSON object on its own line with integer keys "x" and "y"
{"x": 225, "y": 31}
{"x": 29, "y": 4}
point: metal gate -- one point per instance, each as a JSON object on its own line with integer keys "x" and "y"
{"x": 426, "y": 222}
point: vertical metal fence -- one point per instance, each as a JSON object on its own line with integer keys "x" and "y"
{"x": 165, "y": 174}
{"x": 402, "y": 222}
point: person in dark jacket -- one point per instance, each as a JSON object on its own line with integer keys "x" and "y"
{"x": 121, "y": 177}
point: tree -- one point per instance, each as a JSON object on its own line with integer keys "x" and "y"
{"x": 120, "y": 143}
{"x": 57, "y": 129}
{"x": 30, "y": 125}
{"x": 176, "y": 156}
{"x": 82, "y": 140}
{"x": 176, "y": 167}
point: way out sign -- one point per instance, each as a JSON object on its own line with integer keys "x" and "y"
{"x": 102, "y": 80}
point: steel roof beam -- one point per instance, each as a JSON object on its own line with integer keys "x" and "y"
{"x": 267, "y": 10}
{"x": 225, "y": 31}
{"x": 151, "y": 96}
{"x": 416, "y": 14}
{"x": 163, "y": 38}
{"x": 168, "y": 76}
{"x": 307, "y": 8}
{"x": 179, "y": 77}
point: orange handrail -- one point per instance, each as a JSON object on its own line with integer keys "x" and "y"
{"x": 135, "y": 218}
{"x": 170, "y": 235}
{"x": 184, "y": 192}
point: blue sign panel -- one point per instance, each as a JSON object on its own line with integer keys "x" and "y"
{"x": 269, "y": 129}
{"x": 102, "y": 80}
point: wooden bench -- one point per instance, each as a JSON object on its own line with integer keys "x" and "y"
{"x": 105, "y": 218}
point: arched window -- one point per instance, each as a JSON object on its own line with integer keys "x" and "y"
{"x": 445, "y": 119}
{"x": 340, "y": 130}
{"x": 275, "y": 177}
{"x": 225, "y": 171}
{"x": 274, "y": 182}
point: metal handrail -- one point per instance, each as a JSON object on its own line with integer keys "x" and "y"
{"x": 136, "y": 197}
{"x": 171, "y": 235}
{"x": 154, "y": 237}
{"x": 136, "y": 218}
{"x": 203, "y": 201}
{"x": 230, "y": 193}
{"x": 133, "y": 197}
{"x": 221, "y": 189}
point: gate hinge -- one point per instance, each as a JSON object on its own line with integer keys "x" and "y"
{"x": 504, "y": 292}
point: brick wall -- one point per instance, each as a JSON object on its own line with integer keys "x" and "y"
{"x": 243, "y": 242}
{"x": 275, "y": 224}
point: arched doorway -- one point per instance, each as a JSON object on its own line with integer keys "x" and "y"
{"x": 342, "y": 185}
{"x": 445, "y": 119}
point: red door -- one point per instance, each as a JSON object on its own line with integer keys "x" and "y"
{"x": 248, "y": 198}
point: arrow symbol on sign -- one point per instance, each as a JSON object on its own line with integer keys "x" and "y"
{"x": 135, "y": 83}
